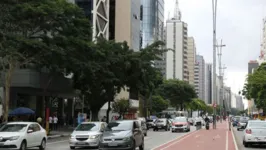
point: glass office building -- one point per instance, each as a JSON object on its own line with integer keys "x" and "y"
{"x": 152, "y": 17}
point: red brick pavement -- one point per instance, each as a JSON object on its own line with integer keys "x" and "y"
{"x": 215, "y": 139}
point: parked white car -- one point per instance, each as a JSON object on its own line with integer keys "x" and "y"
{"x": 87, "y": 134}
{"x": 255, "y": 133}
{"x": 22, "y": 135}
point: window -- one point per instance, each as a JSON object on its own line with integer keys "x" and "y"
{"x": 36, "y": 127}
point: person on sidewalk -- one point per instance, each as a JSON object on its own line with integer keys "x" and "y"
{"x": 51, "y": 123}
{"x": 55, "y": 121}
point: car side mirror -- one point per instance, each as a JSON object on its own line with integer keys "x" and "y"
{"x": 29, "y": 131}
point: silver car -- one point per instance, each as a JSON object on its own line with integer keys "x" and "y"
{"x": 255, "y": 133}
{"x": 242, "y": 123}
{"x": 87, "y": 134}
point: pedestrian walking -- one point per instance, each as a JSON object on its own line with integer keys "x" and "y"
{"x": 55, "y": 122}
{"x": 51, "y": 123}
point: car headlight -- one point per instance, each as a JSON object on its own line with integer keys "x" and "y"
{"x": 94, "y": 136}
{"x": 14, "y": 138}
{"x": 72, "y": 136}
{"x": 126, "y": 139}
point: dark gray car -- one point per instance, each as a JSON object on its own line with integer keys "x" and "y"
{"x": 122, "y": 135}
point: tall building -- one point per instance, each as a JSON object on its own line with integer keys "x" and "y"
{"x": 239, "y": 103}
{"x": 152, "y": 26}
{"x": 208, "y": 83}
{"x": 176, "y": 37}
{"x": 200, "y": 63}
{"x": 127, "y": 22}
{"x": 227, "y": 97}
{"x": 191, "y": 59}
{"x": 152, "y": 17}
{"x": 196, "y": 78}
{"x": 98, "y": 12}
{"x": 252, "y": 64}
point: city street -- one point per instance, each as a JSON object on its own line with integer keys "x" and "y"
{"x": 153, "y": 140}
{"x": 239, "y": 139}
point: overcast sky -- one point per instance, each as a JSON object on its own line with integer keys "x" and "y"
{"x": 239, "y": 24}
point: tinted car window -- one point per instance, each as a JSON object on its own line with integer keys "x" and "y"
{"x": 88, "y": 127}
{"x": 119, "y": 126}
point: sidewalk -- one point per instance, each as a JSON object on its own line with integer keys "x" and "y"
{"x": 62, "y": 132}
{"x": 219, "y": 139}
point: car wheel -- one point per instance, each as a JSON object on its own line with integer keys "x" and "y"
{"x": 72, "y": 147}
{"x": 43, "y": 145}
{"x": 141, "y": 147}
{"x": 145, "y": 134}
{"x": 245, "y": 144}
{"x": 237, "y": 129}
{"x": 23, "y": 145}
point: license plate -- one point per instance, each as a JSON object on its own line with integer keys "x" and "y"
{"x": 112, "y": 144}
{"x": 81, "y": 143}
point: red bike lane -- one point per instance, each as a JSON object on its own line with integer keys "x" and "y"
{"x": 218, "y": 139}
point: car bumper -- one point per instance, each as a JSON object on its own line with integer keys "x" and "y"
{"x": 116, "y": 145}
{"x": 241, "y": 127}
{"x": 251, "y": 139}
{"x": 183, "y": 128}
{"x": 86, "y": 143}
{"x": 10, "y": 144}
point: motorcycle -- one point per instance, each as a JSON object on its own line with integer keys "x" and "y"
{"x": 207, "y": 125}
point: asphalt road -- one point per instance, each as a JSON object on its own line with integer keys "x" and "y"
{"x": 239, "y": 140}
{"x": 153, "y": 140}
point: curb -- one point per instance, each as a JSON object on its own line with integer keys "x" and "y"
{"x": 58, "y": 136}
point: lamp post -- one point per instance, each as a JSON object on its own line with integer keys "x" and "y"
{"x": 214, "y": 11}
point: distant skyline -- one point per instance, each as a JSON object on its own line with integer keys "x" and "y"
{"x": 241, "y": 31}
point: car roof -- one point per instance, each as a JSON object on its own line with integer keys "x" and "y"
{"x": 21, "y": 122}
{"x": 96, "y": 122}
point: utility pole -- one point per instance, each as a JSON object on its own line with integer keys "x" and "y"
{"x": 214, "y": 99}
{"x": 221, "y": 74}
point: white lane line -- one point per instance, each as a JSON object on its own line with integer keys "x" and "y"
{"x": 226, "y": 141}
{"x": 232, "y": 132}
{"x": 179, "y": 140}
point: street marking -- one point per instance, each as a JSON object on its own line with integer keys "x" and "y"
{"x": 226, "y": 141}
{"x": 179, "y": 140}
{"x": 197, "y": 136}
{"x": 232, "y": 132}
{"x": 175, "y": 139}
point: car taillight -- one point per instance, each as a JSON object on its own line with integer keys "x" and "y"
{"x": 173, "y": 124}
{"x": 238, "y": 124}
{"x": 248, "y": 131}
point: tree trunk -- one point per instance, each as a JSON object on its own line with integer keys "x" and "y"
{"x": 108, "y": 111}
{"x": 8, "y": 79}
{"x": 94, "y": 115}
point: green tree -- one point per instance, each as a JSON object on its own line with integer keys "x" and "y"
{"x": 178, "y": 92}
{"x": 255, "y": 87}
{"x": 38, "y": 31}
{"x": 158, "y": 104}
{"x": 121, "y": 107}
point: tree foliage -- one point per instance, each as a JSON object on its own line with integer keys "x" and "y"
{"x": 255, "y": 87}
{"x": 177, "y": 92}
{"x": 159, "y": 104}
{"x": 121, "y": 106}
{"x": 39, "y": 32}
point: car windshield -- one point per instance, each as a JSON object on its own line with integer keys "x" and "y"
{"x": 180, "y": 120}
{"x": 257, "y": 124}
{"x": 119, "y": 126}
{"x": 160, "y": 121}
{"x": 13, "y": 128}
{"x": 88, "y": 127}
{"x": 243, "y": 120}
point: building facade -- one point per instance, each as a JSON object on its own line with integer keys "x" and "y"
{"x": 152, "y": 21}
{"x": 208, "y": 83}
{"x": 191, "y": 59}
{"x": 200, "y": 62}
{"x": 127, "y": 22}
